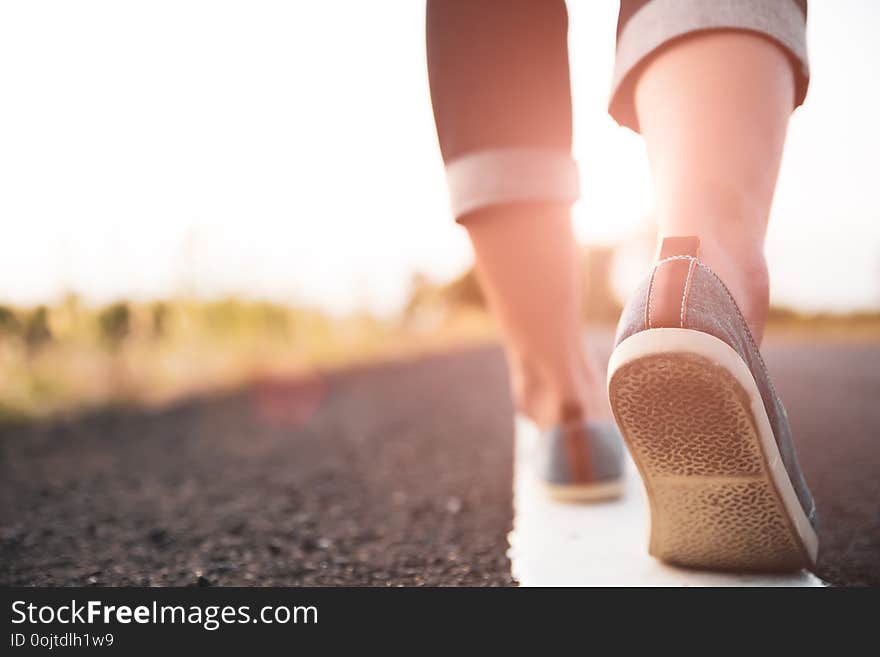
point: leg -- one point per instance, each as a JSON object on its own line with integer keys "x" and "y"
{"x": 528, "y": 265}
{"x": 711, "y": 87}
{"x": 499, "y": 83}
{"x": 714, "y": 109}
{"x": 712, "y": 96}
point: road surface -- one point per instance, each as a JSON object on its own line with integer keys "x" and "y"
{"x": 394, "y": 474}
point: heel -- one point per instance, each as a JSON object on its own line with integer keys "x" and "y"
{"x": 691, "y": 427}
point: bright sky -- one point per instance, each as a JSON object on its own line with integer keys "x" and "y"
{"x": 287, "y": 150}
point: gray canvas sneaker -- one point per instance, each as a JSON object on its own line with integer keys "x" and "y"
{"x": 697, "y": 410}
{"x": 577, "y": 460}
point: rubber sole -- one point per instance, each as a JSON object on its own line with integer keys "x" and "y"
{"x": 599, "y": 492}
{"x": 693, "y": 419}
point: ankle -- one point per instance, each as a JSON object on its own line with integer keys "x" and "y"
{"x": 555, "y": 393}
{"x": 742, "y": 266}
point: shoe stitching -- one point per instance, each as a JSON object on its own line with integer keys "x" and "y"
{"x": 686, "y": 290}
{"x": 811, "y": 514}
{"x": 745, "y": 327}
{"x": 651, "y": 285}
{"x": 750, "y": 339}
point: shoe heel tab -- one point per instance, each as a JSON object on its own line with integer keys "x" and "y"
{"x": 680, "y": 246}
{"x": 666, "y": 305}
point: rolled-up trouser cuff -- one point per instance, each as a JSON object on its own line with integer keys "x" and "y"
{"x": 660, "y": 21}
{"x": 510, "y": 175}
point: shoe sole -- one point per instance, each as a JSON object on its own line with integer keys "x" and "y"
{"x": 693, "y": 419}
{"x": 598, "y": 492}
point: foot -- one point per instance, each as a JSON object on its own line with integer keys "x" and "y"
{"x": 694, "y": 402}
{"x": 576, "y": 450}
{"x": 743, "y": 268}
{"x": 576, "y": 461}
{"x": 551, "y": 390}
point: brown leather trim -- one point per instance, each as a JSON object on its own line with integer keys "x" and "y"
{"x": 668, "y": 289}
{"x": 578, "y": 451}
{"x": 680, "y": 246}
{"x": 576, "y": 443}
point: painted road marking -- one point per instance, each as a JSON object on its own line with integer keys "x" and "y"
{"x": 558, "y": 544}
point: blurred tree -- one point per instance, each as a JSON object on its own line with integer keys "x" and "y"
{"x": 114, "y": 324}
{"x": 159, "y": 313}
{"x": 465, "y": 291}
{"x": 421, "y": 292}
{"x": 36, "y": 329}
{"x": 9, "y": 324}
{"x": 600, "y": 305}
{"x": 461, "y": 292}
{"x": 65, "y": 318}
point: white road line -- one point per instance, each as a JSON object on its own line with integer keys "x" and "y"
{"x": 557, "y": 544}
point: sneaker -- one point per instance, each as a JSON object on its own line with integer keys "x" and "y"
{"x": 576, "y": 461}
{"x": 697, "y": 410}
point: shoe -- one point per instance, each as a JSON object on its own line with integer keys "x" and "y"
{"x": 711, "y": 439}
{"x": 576, "y": 461}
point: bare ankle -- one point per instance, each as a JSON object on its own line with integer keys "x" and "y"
{"x": 556, "y": 393}
{"x": 741, "y": 265}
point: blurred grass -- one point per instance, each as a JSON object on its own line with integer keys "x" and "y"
{"x": 73, "y": 356}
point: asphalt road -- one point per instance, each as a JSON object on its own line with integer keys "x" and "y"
{"x": 396, "y": 474}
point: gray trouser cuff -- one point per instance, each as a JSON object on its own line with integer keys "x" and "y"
{"x": 510, "y": 175}
{"x": 662, "y": 21}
